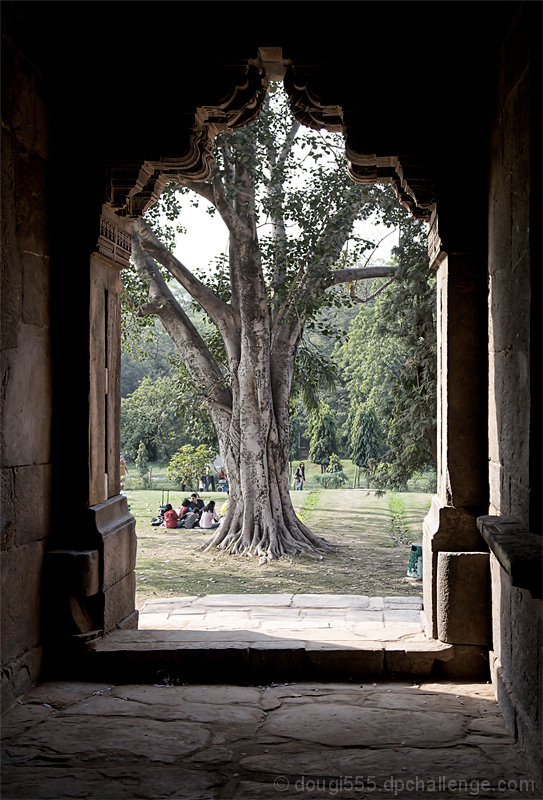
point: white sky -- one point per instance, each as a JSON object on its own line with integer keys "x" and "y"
{"x": 207, "y": 237}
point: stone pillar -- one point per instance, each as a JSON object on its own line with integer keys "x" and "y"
{"x": 451, "y": 524}
{"x": 463, "y": 598}
{"x": 108, "y": 515}
{"x": 90, "y": 578}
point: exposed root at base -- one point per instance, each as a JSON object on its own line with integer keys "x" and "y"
{"x": 266, "y": 551}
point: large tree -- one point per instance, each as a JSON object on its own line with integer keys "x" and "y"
{"x": 289, "y": 219}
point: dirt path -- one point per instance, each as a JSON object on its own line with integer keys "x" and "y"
{"x": 371, "y": 557}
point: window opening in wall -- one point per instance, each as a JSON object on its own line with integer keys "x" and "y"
{"x": 338, "y": 305}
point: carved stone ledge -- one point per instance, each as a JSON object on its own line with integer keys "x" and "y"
{"x": 238, "y": 96}
{"x": 312, "y": 104}
{"x": 518, "y": 551}
{"x": 114, "y": 242}
{"x": 415, "y": 192}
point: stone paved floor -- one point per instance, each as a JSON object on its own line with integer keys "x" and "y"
{"x": 349, "y": 619}
{"x": 297, "y": 740}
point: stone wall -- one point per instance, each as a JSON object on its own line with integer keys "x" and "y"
{"x": 509, "y": 290}
{"x": 26, "y": 367}
{"x": 517, "y": 621}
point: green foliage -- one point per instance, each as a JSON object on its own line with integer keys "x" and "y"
{"x": 334, "y": 464}
{"x": 164, "y": 414}
{"x": 389, "y": 359}
{"x": 313, "y": 374}
{"x": 366, "y": 437}
{"x": 142, "y": 463}
{"x": 154, "y": 360}
{"x": 189, "y": 463}
{"x": 297, "y": 425}
{"x": 334, "y": 477}
{"x": 331, "y": 480}
{"x": 400, "y": 530}
{"x": 323, "y": 435}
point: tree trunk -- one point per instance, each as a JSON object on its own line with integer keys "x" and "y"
{"x": 260, "y": 519}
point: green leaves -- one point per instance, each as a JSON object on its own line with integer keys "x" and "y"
{"x": 323, "y": 432}
{"x": 189, "y": 463}
{"x": 389, "y": 359}
{"x": 366, "y": 437}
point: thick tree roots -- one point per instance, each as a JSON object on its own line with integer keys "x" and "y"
{"x": 269, "y": 542}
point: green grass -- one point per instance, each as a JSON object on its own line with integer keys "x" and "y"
{"x": 369, "y": 560}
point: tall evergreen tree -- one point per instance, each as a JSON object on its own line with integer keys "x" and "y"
{"x": 323, "y": 432}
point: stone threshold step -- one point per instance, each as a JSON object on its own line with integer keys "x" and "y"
{"x": 177, "y": 658}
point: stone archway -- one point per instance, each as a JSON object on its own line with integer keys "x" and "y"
{"x": 102, "y": 583}
{"x": 316, "y": 101}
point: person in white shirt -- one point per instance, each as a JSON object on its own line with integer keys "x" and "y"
{"x": 209, "y": 518}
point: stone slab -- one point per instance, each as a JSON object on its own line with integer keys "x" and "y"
{"x": 330, "y": 601}
{"x": 101, "y": 741}
{"x": 245, "y": 600}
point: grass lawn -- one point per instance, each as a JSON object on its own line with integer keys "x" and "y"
{"x": 371, "y": 556}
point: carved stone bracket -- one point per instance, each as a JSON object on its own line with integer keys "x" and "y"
{"x": 236, "y": 97}
{"x": 308, "y": 104}
{"x": 114, "y": 242}
{"x": 239, "y": 94}
{"x": 312, "y": 104}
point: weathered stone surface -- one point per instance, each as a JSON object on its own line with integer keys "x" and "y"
{"x": 20, "y": 575}
{"x": 121, "y": 739}
{"x": 26, "y": 440}
{"x": 20, "y": 487}
{"x": 343, "y": 725}
{"x": 246, "y": 600}
{"x": 330, "y": 601}
{"x": 463, "y": 613}
{"x": 114, "y": 783}
{"x": 194, "y": 742}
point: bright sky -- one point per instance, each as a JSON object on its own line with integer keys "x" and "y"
{"x": 207, "y": 237}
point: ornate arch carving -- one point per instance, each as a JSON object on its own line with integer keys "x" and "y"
{"x": 235, "y": 100}
{"x": 320, "y": 98}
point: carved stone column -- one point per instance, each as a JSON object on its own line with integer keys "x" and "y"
{"x": 90, "y": 578}
{"x": 451, "y": 524}
{"x": 108, "y": 517}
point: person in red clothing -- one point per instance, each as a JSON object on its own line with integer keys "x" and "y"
{"x": 185, "y": 508}
{"x": 171, "y": 517}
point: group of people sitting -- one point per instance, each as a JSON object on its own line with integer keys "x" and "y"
{"x": 192, "y": 514}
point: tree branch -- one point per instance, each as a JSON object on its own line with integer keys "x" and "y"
{"x": 359, "y": 274}
{"x": 289, "y": 141}
{"x": 357, "y": 299}
{"x": 237, "y": 225}
{"x": 192, "y": 348}
{"x": 220, "y": 312}
{"x": 205, "y": 190}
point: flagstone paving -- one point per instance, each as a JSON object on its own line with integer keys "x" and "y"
{"x": 307, "y": 617}
{"x": 433, "y": 740}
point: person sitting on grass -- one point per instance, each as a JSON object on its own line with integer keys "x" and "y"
{"x": 209, "y": 518}
{"x": 185, "y": 507}
{"x": 196, "y": 502}
{"x": 171, "y": 517}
